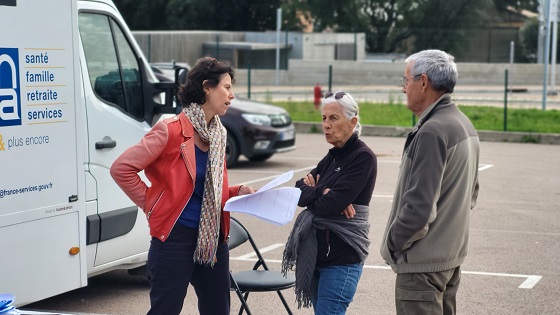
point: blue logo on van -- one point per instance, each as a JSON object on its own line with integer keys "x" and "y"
{"x": 10, "y": 102}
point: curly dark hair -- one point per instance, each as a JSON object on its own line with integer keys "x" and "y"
{"x": 207, "y": 72}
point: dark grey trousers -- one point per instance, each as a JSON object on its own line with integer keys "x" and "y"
{"x": 427, "y": 293}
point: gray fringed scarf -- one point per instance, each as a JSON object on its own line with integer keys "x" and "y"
{"x": 301, "y": 248}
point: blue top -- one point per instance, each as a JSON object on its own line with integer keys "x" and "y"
{"x": 190, "y": 217}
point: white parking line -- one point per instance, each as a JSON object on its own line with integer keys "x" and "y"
{"x": 518, "y": 232}
{"x": 253, "y": 254}
{"x": 257, "y": 171}
{"x": 482, "y": 167}
{"x": 274, "y": 176}
{"x": 529, "y": 283}
{"x": 261, "y": 179}
{"x": 383, "y": 196}
{"x": 295, "y": 158}
{"x": 379, "y": 160}
{"x": 254, "y": 259}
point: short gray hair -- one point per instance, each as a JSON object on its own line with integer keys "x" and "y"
{"x": 438, "y": 66}
{"x": 349, "y": 107}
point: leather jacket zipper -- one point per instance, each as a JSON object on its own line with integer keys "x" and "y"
{"x": 149, "y": 214}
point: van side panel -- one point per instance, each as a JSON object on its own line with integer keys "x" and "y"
{"x": 42, "y": 191}
{"x": 37, "y": 263}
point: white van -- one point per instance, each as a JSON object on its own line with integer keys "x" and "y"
{"x": 75, "y": 92}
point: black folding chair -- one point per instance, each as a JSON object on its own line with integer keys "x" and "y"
{"x": 255, "y": 280}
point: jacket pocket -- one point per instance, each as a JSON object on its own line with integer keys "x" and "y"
{"x": 387, "y": 254}
{"x": 421, "y": 296}
{"x": 152, "y": 200}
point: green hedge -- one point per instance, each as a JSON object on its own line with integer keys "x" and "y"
{"x": 483, "y": 117}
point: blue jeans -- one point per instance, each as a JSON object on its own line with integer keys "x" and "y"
{"x": 334, "y": 288}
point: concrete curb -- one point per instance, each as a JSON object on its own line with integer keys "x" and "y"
{"x": 494, "y": 136}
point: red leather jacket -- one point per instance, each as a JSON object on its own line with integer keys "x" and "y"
{"x": 167, "y": 156}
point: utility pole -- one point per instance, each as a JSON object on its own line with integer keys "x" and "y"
{"x": 278, "y": 28}
{"x": 554, "y": 20}
{"x": 546, "y": 12}
{"x": 542, "y": 35}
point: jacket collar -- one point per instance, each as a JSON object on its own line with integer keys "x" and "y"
{"x": 441, "y": 102}
{"x": 187, "y": 128}
{"x": 338, "y": 152}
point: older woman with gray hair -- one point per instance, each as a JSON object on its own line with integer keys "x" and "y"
{"x": 329, "y": 241}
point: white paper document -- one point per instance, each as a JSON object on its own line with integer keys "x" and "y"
{"x": 277, "y": 206}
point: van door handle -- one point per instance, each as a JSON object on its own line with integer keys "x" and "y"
{"x": 106, "y": 143}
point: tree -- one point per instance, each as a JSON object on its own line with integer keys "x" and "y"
{"x": 446, "y": 25}
{"x": 142, "y": 15}
{"x": 388, "y": 24}
{"x": 245, "y": 15}
{"x": 189, "y": 15}
{"x": 529, "y": 36}
{"x": 519, "y": 5}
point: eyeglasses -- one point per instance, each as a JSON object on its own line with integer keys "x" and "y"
{"x": 404, "y": 80}
{"x": 337, "y": 96}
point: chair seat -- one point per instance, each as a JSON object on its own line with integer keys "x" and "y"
{"x": 263, "y": 280}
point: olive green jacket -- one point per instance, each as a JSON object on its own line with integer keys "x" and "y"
{"x": 428, "y": 227}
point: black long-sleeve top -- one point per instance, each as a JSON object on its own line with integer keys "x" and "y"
{"x": 350, "y": 173}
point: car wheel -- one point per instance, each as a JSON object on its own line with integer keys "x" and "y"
{"x": 260, "y": 158}
{"x": 232, "y": 150}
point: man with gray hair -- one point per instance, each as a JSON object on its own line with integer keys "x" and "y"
{"x": 426, "y": 238}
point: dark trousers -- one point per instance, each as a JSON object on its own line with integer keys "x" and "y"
{"x": 172, "y": 268}
{"x": 427, "y": 293}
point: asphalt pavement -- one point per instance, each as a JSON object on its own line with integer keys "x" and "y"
{"x": 512, "y": 267}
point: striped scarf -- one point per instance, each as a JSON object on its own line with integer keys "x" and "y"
{"x": 209, "y": 226}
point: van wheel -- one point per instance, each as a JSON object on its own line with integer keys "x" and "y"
{"x": 260, "y": 158}
{"x": 232, "y": 150}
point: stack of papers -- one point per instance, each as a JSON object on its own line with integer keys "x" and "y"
{"x": 6, "y": 307}
{"x": 276, "y": 206}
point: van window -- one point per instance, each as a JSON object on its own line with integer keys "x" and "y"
{"x": 112, "y": 65}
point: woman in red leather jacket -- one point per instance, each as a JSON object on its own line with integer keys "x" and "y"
{"x": 184, "y": 159}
